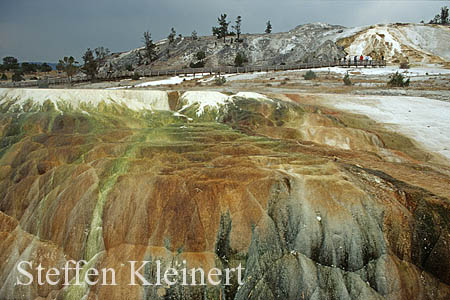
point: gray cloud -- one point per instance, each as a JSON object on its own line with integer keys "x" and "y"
{"x": 46, "y": 30}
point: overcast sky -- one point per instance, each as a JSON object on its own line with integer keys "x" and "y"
{"x": 46, "y": 30}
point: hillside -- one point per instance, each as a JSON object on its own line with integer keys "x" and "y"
{"x": 417, "y": 43}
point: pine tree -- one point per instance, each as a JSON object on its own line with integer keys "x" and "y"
{"x": 93, "y": 61}
{"x": 150, "y": 51}
{"x": 223, "y": 25}
{"x": 444, "y": 15}
{"x": 101, "y": 53}
{"x": 172, "y": 35}
{"x": 268, "y": 27}
{"x": 436, "y": 19}
{"x": 222, "y": 30}
{"x": 442, "y": 18}
{"x": 237, "y": 27}
{"x": 67, "y": 65}
{"x": 90, "y": 64}
{"x": 194, "y": 35}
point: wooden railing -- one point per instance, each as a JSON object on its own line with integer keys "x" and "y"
{"x": 216, "y": 70}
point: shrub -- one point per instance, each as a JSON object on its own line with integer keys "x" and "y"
{"x": 135, "y": 76}
{"x": 45, "y": 67}
{"x": 3, "y": 77}
{"x": 201, "y": 55}
{"x": 220, "y": 80}
{"x": 199, "y": 64}
{"x": 398, "y": 80}
{"x": 404, "y": 65}
{"x": 347, "y": 80}
{"x": 240, "y": 60}
{"x": 310, "y": 75}
{"x": 17, "y": 76}
{"x": 129, "y": 68}
{"x": 29, "y": 68}
{"x": 43, "y": 84}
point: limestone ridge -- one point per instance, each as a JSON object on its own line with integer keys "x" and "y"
{"x": 217, "y": 180}
{"x": 416, "y": 43}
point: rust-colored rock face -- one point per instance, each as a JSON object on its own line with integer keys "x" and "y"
{"x": 313, "y": 203}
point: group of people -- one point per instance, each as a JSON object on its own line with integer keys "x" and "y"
{"x": 357, "y": 58}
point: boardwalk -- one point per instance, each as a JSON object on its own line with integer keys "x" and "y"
{"x": 216, "y": 70}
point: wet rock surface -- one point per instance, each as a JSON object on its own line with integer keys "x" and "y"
{"x": 314, "y": 203}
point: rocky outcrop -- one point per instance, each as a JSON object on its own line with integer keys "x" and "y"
{"x": 413, "y": 43}
{"x": 304, "y": 198}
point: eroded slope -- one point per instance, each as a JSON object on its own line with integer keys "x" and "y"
{"x": 298, "y": 194}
